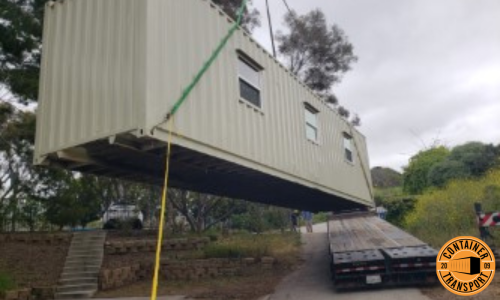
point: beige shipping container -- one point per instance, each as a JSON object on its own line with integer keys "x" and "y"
{"x": 112, "y": 69}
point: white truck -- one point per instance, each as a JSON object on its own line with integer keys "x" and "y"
{"x": 119, "y": 214}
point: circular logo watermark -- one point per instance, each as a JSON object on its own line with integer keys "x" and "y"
{"x": 465, "y": 265}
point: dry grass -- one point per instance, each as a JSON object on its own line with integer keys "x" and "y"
{"x": 284, "y": 247}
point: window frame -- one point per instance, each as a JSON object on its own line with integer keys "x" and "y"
{"x": 348, "y": 138}
{"x": 308, "y": 108}
{"x": 249, "y": 62}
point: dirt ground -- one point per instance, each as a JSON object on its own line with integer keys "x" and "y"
{"x": 235, "y": 288}
{"x": 33, "y": 265}
{"x": 440, "y": 293}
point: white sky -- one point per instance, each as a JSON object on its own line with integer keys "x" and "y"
{"x": 428, "y": 70}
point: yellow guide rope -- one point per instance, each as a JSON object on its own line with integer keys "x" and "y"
{"x": 154, "y": 289}
{"x": 169, "y": 119}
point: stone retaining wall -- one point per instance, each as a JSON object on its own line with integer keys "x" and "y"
{"x": 182, "y": 270}
{"x": 36, "y": 237}
{"x": 42, "y": 293}
{"x": 134, "y": 246}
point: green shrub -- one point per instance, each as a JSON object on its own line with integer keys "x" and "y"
{"x": 223, "y": 251}
{"x": 397, "y": 204}
{"x": 440, "y": 215}
{"x": 320, "y": 217}
{"x": 6, "y": 283}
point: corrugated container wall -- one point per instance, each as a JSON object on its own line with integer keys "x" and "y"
{"x": 115, "y": 66}
{"x": 93, "y": 72}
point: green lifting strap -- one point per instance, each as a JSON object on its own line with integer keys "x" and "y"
{"x": 208, "y": 63}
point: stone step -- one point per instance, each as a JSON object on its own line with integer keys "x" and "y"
{"x": 83, "y": 239}
{"x": 83, "y": 294}
{"x": 78, "y": 274}
{"x": 89, "y": 268}
{"x": 86, "y": 251}
{"x": 78, "y": 280}
{"x": 83, "y": 263}
{"x": 84, "y": 259}
{"x": 87, "y": 243}
{"x": 77, "y": 287}
{"x": 94, "y": 232}
{"x": 87, "y": 236}
{"x": 73, "y": 258}
{"x": 80, "y": 257}
{"x": 84, "y": 248}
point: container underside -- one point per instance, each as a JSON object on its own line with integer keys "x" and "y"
{"x": 143, "y": 160}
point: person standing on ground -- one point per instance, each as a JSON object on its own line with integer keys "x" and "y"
{"x": 308, "y": 216}
{"x": 294, "y": 218}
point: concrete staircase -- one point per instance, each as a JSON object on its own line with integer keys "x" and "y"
{"x": 83, "y": 263}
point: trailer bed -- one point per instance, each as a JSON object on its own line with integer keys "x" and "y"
{"x": 367, "y": 251}
{"x": 362, "y": 231}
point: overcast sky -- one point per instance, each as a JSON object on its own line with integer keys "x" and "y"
{"x": 428, "y": 70}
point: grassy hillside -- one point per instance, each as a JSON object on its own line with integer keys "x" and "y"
{"x": 442, "y": 214}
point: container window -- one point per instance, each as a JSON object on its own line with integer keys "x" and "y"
{"x": 311, "y": 123}
{"x": 348, "y": 151}
{"x": 250, "y": 82}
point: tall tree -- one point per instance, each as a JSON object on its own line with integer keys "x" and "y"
{"x": 317, "y": 53}
{"x": 415, "y": 175}
{"x": 472, "y": 159}
{"x": 77, "y": 202}
{"x": 251, "y": 17}
{"x": 202, "y": 211}
{"x": 22, "y": 185}
{"x": 20, "y": 47}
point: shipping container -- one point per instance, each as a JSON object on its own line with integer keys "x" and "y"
{"x": 466, "y": 265}
{"x": 113, "y": 69}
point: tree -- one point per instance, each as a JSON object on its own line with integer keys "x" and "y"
{"x": 16, "y": 171}
{"x": 469, "y": 160}
{"x": 415, "y": 175}
{"x": 356, "y": 121}
{"x": 77, "y": 202}
{"x": 446, "y": 170}
{"x": 317, "y": 54}
{"x": 202, "y": 211}
{"x": 20, "y": 47}
{"x": 477, "y": 157}
{"x": 256, "y": 217}
{"x": 251, "y": 18}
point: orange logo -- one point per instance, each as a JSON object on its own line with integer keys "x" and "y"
{"x": 465, "y": 265}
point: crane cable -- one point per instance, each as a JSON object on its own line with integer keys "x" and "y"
{"x": 170, "y": 126}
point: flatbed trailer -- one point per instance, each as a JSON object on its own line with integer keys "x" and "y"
{"x": 367, "y": 251}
